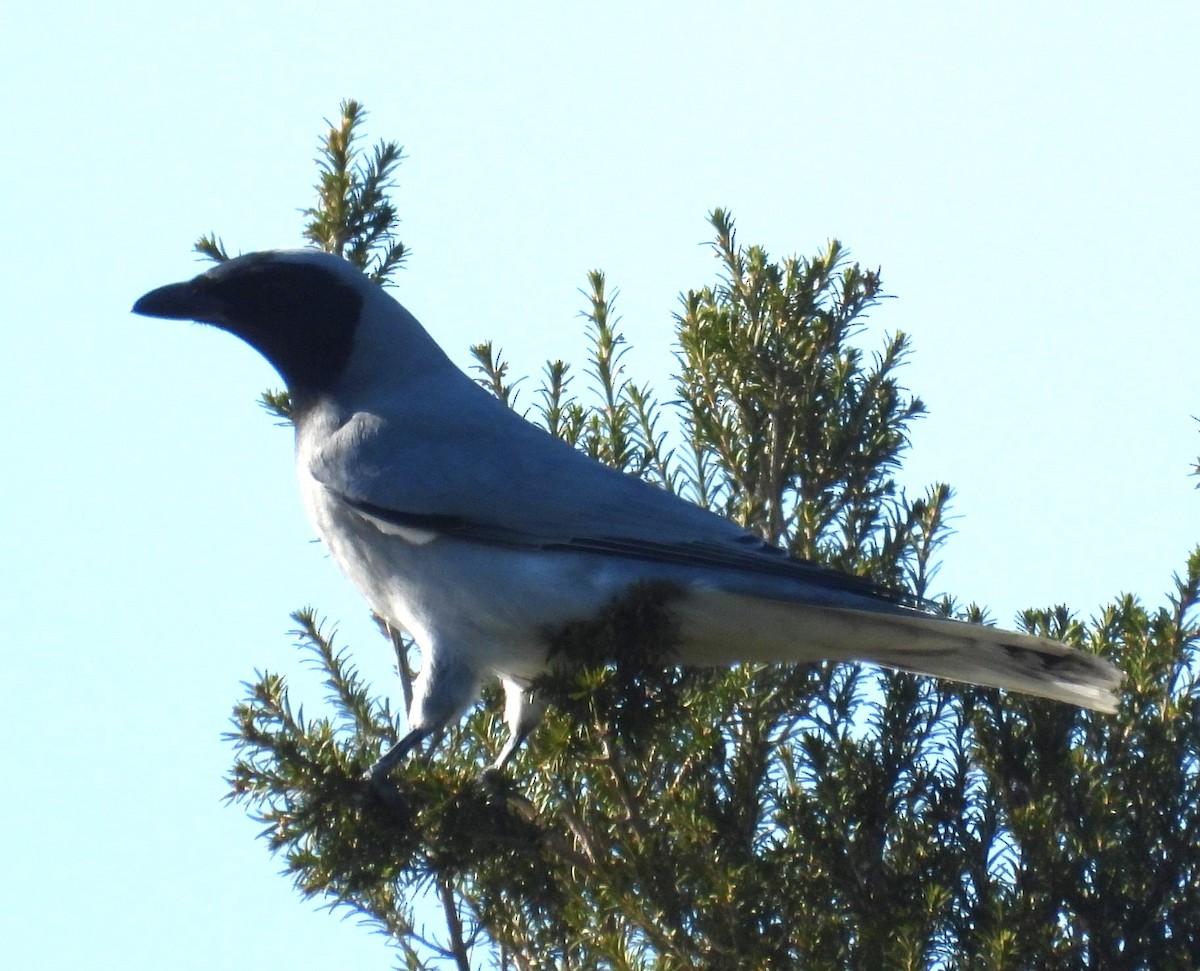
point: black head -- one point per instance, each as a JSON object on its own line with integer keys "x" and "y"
{"x": 298, "y": 308}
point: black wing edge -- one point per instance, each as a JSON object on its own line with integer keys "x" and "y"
{"x": 753, "y": 554}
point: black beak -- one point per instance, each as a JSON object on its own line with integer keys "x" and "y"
{"x": 180, "y": 301}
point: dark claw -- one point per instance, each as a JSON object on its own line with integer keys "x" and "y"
{"x": 383, "y": 792}
{"x": 382, "y": 789}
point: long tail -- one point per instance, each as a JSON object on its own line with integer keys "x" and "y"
{"x": 717, "y": 627}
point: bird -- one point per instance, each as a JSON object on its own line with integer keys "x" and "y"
{"x": 482, "y": 535}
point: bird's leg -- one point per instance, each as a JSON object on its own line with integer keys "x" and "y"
{"x": 441, "y": 691}
{"x": 523, "y": 710}
{"x": 511, "y": 747}
{"x": 377, "y": 774}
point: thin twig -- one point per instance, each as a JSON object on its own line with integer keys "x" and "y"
{"x": 458, "y": 947}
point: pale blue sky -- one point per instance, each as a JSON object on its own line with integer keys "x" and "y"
{"x": 1026, "y": 178}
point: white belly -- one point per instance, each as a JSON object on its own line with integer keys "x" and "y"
{"x": 493, "y": 607}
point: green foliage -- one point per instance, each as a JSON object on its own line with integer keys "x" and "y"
{"x": 817, "y": 816}
{"x": 1196, "y": 469}
{"x": 805, "y": 437}
{"x": 354, "y": 217}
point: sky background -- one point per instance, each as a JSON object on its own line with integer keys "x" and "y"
{"x": 1025, "y": 174}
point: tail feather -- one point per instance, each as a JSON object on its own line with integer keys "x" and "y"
{"x": 718, "y": 628}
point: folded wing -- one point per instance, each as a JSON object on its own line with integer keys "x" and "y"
{"x": 502, "y": 481}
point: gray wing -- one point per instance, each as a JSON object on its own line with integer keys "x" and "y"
{"x": 486, "y": 475}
